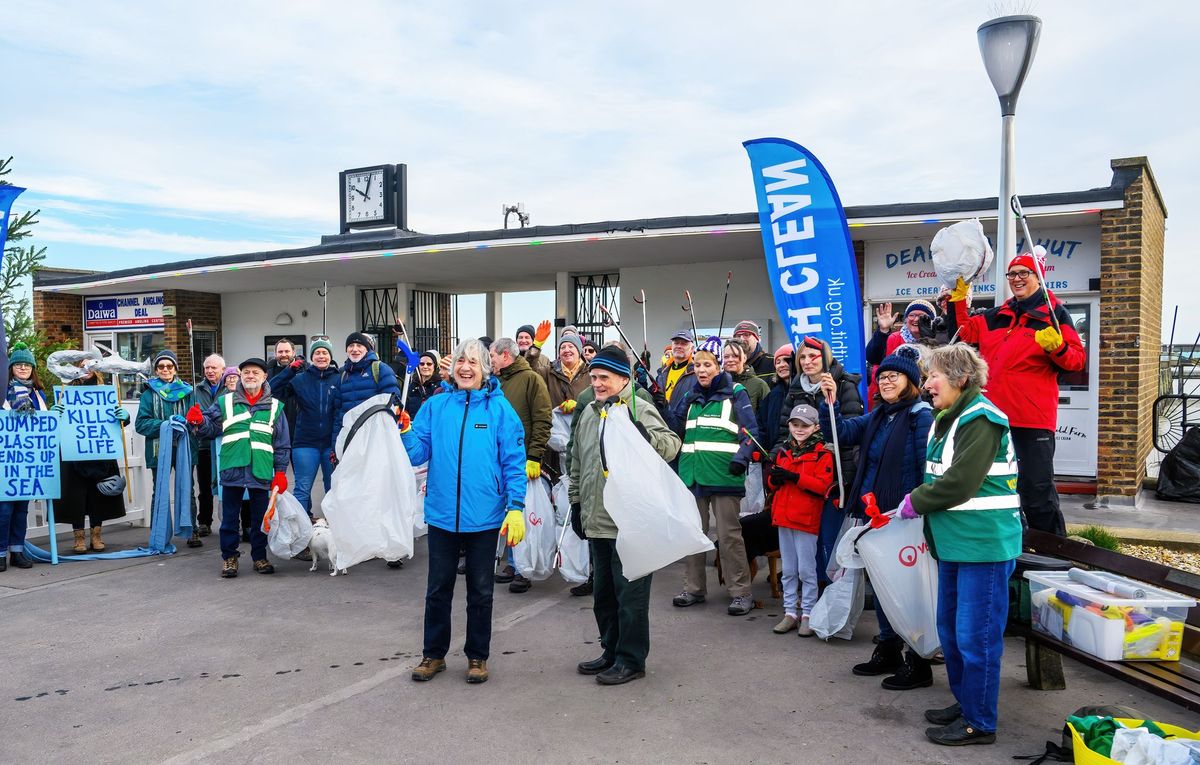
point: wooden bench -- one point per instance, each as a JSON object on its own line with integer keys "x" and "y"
{"x": 1177, "y": 681}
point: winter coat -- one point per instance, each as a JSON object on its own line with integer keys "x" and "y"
{"x": 587, "y": 468}
{"x": 473, "y": 442}
{"x": 153, "y": 408}
{"x": 881, "y": 345}
{"x": 356, "y": 383}
{"x": 1022, "y": 378}
{"x": 852, "y": 430}
{"x": 563, "y": 389}
{"x": 761, "y": 362}
{"x": 291, "y": 406}
{"x": 312, "y": 391}
{"x": 848, "y": 399}
{"x": 798, "y": 504}
{"x": 683, "y": 384}
{"x": 281, "y": 443}
{"x": 420, "y": 392}
{"x": 712, "y": 446}
{"x": 526, "y": 392}
{"x": 204, "y": 396}
{"x": 770, "y": 413}
{"x": 756, "y": 388}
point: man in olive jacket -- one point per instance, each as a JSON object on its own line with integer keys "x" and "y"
{"x": 526, "y": 392}
{"x": 621, "y": 607}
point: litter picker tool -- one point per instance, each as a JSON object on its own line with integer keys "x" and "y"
{"x": 724, "y": 303}
{"x": 324, "y": 293}
{"x": 192, "y": 352}
{"x": 1015, "y": 204}
{"x": 617, "y": 324}
{"x": 645, "y": 337}
{"x": 409, "y": 362}
{"x": 837, "y": 452}
{"x": 691, "y": 311}
{"x": 757, "y": 443}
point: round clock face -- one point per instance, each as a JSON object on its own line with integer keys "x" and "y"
{"x": 364, "y": 196}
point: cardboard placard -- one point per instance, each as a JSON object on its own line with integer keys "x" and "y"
{"x": 89, "y": 430}
{"x": 28, "y": 456}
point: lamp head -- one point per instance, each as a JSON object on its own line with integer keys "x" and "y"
{"x": 1008, "y": 45}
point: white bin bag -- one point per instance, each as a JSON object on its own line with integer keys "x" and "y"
{"x": 560, "y": 431}
{"x": 288, "y": 527}
{"x": 904, "y": 577}
{"x": 755, "y": 499}
{"x": 420, "y": 476}
{"x": 572, "y": 560}
{"x": 534, "y": 556}
{"x": 371, "y": 507}
{"x": 841, "y": 604}
{"x": 656, "y": 516}
{"x": 961, "y": 250}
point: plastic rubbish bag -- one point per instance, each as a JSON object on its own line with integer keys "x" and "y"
{"x": 656, "y": 516}
{"x": 1179, "y": 473}
{"x": 904, "y": 577}
{"x": 420, "y": 528}
{"x": 756, "y": 497}
{"x": 571, "y": 559}
{"x": 838, "y": 608}
{"x": 534, "y": 556}
{"x": 371, "y": 507}
{"x": 287, "y": 527}
{"x": 560, "y": 431}
{"x": 961, "y": 250}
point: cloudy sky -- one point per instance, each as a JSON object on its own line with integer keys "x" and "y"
{"x": 163, "y": 131}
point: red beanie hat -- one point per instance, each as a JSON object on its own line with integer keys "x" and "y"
{"x": 1026, "y": 260}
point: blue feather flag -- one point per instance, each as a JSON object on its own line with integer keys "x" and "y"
{"x": 8, "y": 195}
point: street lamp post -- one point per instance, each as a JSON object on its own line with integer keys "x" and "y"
{"x": 1008, "y": 45}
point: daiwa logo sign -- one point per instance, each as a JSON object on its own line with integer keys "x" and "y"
{"x": 910, "y": 554}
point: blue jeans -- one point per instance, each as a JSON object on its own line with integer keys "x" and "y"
{"x": 305, "y": 461}
{"x": 14, "y": 520}
{"x": 231, "y": 521}
{"x": 831, "y": 524}
{"x": 443, "y": 548}
{"x": 885, "y": 627}
{"x": 971, "y": 612}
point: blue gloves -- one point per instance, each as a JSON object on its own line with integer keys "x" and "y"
{"x": 121, "y": 415}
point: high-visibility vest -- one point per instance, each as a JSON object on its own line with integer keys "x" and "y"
{"x": 711, "y": 438}
{"x": 247, "y": 437}
{"x": 986, "y": 527}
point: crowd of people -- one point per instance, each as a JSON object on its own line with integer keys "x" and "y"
{"x": 958, "y": 428}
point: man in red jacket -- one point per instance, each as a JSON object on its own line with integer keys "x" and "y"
{"x": 1025, "y": 354}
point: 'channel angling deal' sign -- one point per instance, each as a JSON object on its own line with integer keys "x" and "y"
{"x": 89, "y": 430}
{"x": 28, "y": 455}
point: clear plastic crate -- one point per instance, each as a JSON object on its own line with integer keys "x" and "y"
{"x": 1108, "y": 626}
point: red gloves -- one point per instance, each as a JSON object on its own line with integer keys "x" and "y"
{"x": 297, "y": 364}
{"x": 194, "y": 415}
{"x": 279, "y": 483}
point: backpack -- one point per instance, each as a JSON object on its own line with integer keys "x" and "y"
{"x": 374, "y": 372}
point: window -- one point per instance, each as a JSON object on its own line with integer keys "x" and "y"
{"x": 1081, "y": 317}
{"x": 136, "y": 346}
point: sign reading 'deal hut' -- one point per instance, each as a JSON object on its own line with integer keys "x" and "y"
{"x": 88, "y": 430}
{"x": 28, "y": 455}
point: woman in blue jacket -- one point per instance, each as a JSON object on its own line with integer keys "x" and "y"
{"x": 362, "y": 376}
{"x": 892, "y": 439}
{"x": 474, "y": 444}
{"x": 312, "y": 387}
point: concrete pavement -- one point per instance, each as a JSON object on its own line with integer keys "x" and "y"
{"x": 158, "y": 659}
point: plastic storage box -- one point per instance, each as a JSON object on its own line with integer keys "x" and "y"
{"x": 1107, "y": 626}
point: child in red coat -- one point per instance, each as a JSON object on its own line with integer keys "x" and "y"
{"x": 800, "y": 475}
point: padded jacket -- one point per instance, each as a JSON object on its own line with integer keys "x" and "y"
{"x": 355, "y": 384}
{"x": 312, "y": 389}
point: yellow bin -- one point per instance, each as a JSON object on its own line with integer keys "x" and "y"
{"x": 1085, "y": 756}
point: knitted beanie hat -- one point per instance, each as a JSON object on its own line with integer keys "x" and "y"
{"x": 903, "y": 360}
{"x": 574, "y": 340}
{"x": 526, "y": 328}
{"x": 1025, "y": 260}
{"x": 748, "y": 326}
{"x": 20, "y": 354}
{"x": 361, "y": 339}
{"x": 710, "y": 345}
{"x": 785, "y": 351}
{"x": 920, "y": 305}
{"x": 168, "y": 355}
{"x": 322, "y": 343}
{"x": 613, "y": 359}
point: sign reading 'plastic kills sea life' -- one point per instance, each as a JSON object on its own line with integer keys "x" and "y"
{"x": 28, "y": 455}
{"x": 89, "y": 429}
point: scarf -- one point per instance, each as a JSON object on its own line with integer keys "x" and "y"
{"x": 890, "y": 484}
{"x": 176, "y": 390}
{"x": 570, "y": 372}
{"x": 809, "y": 444}
{"x": 907, "y": 335}
{"x": 172, "y": 437}
{"x": 808, "y": 386}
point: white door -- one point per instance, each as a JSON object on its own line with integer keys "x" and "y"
{"x": 1078, "y": 396}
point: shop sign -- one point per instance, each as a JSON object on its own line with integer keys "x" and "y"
{"x": 903, "y": 269}
{"x": 140, "y": 310}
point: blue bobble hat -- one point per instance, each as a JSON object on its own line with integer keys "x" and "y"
{"x": 903, "y": 360}
{"x": 168, "y": 355}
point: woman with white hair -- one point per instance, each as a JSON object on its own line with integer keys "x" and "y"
{"x": 973, "y": 526}
{"x": 474, "y": 444}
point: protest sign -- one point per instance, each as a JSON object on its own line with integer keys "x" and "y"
{"x": 88, "y": 430}
{"x": 28, "y": 455}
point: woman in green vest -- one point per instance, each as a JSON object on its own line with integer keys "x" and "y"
{"x": 973, "y": 527}
{"x": 712, "y": 463}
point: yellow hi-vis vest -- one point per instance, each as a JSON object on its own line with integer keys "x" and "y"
{"x": 247, "y": 437}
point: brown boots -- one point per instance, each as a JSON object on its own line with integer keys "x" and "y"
{"x": 97, "y": 542}
{"x": 80, "y": 544}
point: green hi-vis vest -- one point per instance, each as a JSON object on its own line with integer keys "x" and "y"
{"x": 987, "y": 527}
{"x": 711, "y": 438}
{"x": 247, "y": 437}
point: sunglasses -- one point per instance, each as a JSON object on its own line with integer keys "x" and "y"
{"x": 166, "y": 365}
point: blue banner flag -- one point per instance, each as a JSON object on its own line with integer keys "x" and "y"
{"x": 8, "y": 195}
{"x": 810, "y": 259}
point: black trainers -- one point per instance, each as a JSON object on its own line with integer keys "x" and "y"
{"x": 586, "y": 588}
{"x": 19, "y": 559}
{"x": 887, "y": 657}
{"x": 943, "y": 717}
{"x": 519, "y": 584}
{"x": 194, "y": 541}
{"x": 503, "y": 576}
{"x": 395, "y": 563}
{"x": 959, "y": 733}
{"x": 204, "y": 529}
{"x": 914, "y": 674}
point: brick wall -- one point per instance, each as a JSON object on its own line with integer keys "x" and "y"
{"x": 1131, "y": 276}
{"x": 59, "y": 317}
{"x": 204, "y": 309}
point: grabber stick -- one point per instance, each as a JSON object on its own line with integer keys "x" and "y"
{"x": 621, "y": 332}
{"x": 691, "y": 310}
{"x": 124, "y": 446}
{"x": 645, "y": 334}
{"x": 724, "y": 303}
{"x": 192, "y": 352}
{"x": 1015, "y": 204}
{"x": 837, "y": 452}
{"x": 407, "y": 368}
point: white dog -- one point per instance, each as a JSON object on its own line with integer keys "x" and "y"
{"x": 322, "y": 546}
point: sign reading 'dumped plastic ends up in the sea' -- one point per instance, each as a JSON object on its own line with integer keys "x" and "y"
{"x": 88, "y": 430}
{"x": 28, "y": 455}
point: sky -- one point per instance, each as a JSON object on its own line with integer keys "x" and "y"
{"x": 151, "y": 132}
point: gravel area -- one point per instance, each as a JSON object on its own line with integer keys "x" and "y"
{"x": 1185, "y": 561}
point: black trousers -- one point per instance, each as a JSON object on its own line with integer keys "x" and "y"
{"x": 204, "y": 486}
{"x": 443, "y": 550}
{"x": 1035, "y": 479}
{"x": 621, "y": 607}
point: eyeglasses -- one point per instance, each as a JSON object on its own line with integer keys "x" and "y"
{"x": 1017, "y": 276}
{"x": 889, "y": 377}
{"x": 167, "y": 365}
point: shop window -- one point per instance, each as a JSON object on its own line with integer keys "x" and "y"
{"x": 136, "y": 346}
{"x": 204, "y": 345}
{"x": 1081, "y": 317}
